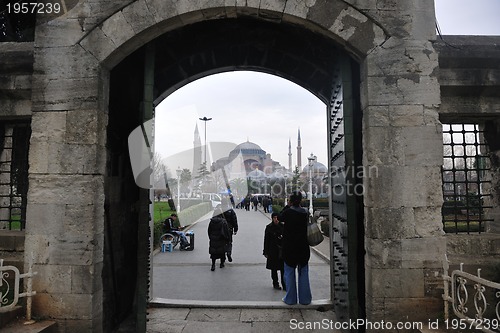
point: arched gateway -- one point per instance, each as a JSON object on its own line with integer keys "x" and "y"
{"x": 101, "y": 68}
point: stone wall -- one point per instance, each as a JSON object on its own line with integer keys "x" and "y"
{"x": 402, "y": 138}
{"x": 73, "y": 186}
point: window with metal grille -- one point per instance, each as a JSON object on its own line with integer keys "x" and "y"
{"x": 14, "y": 144}
{"x": 464, "y": 173}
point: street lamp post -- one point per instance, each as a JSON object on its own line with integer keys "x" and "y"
{"x": 310, "y": 164}
{"x": 179, "y": 172}
{"x": 205, "y": 119}
{"x": 285, "y": 176}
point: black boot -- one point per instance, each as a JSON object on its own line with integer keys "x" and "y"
{"x": 229, "y": 258}
{"x": 222, "y": 264}
{"x": 213, "y": 266}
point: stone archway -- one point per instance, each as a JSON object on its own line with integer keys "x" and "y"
{"x": 70, "y": 114}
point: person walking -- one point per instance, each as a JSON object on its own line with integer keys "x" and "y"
{"x": 273, "y": 235}
{"x": 296, "y": 252}
{"x": 232, "y": 223}
{"x": 218, "y": 235}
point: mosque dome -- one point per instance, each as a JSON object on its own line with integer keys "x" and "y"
{"x": 249, "y": 148}
{"x": 256, "y": 174}
{"x": 317, "y": 167}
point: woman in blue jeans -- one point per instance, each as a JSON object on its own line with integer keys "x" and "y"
{"x": 296, "y": 252}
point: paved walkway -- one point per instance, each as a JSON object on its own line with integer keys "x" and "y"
{"x": 188, "y": 297}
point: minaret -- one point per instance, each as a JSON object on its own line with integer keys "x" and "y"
{"x": 289, "y": 155}
{"x": 299, "y": 155}
{"x": 196, "y": 152}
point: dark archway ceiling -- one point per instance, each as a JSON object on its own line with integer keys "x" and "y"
{"x": 215, "y": 46}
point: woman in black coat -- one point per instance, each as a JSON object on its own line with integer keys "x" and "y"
{"x": 272, "y": 250}
{"x": 296, "y": 252}
{"x": 218, "y": 234}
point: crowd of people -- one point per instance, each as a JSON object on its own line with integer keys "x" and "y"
{"x": 286, "y": 248}
{"x": 252, "y": 202}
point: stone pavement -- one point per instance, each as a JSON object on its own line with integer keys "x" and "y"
{"x": 188, "y": 297}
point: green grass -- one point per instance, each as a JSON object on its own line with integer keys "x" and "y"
{"x": 161, "y": 211}
{"x": 450, "y": 227}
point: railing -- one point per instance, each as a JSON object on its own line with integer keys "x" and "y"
{"x": 9, "y": 297}
{"x": 471, "y": 292}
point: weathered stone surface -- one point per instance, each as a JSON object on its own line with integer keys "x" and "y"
{"x": 395, "y": 187}
{"x": 390, "y": 223}
{"x": 57, "y": 279}
{"x": 422, "y": 252}
{"x": 401, "y": 137}
{"x": 62, "y": 305}
{"x": 428, "y": 221}
{"x": 383, "y": 253}
{"x": 65, "y": 93}
{"x": 118, "y": 29}
{"x": 398, "y": 283}
{"x": 138, "y": 15}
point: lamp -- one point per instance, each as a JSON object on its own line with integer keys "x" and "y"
{"x": 205, "y": 119}
{"x": 179, "y": 172}
{"x": 285, "y": 176}
{"x": 310, "y": 164}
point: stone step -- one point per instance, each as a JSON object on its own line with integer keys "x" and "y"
{"x": 18, "y": 326}
{"x": 10, "y": 315}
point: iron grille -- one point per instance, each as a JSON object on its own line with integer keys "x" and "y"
{"x": 14, "y": 143}
{"x": 465, "y": 178}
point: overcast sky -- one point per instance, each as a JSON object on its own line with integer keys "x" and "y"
{"x": 268, "y": 110}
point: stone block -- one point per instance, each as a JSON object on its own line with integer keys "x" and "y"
{"x": 162, "y": 9}
{"x": 98, "y": 44}
{"x": 297, "y": 9}
{"x": 48, "y": 126}
{"x": 382, "y": 146}
{"x": 40, "y": 218}
{"x": 398, "y": 57}
{"x": 267, "y": 315}
{"x": 138, "y": 15}
{"x": 71, "y": 250}
{"x": 118, "y": 29}
{"x": 81, "y": 127}
{"x": 70, "y": 159}
{"x": 12, "y": 240}
{"x": 272, "y": 10}
{"x": 52, "y": 279}
{"x": 82, "y": 279}
{"x": 395, "y": 283}
{"x": 65, "y": 62}
{"x": 376, "y": 116}
{"x": 65, "y": 94}
{"x": 63, "y": 306}
{"x": 423, "y": 252}
{"x": 216, "y": 315}
{"x": 383, "y": 253}
{"x": 416, "y": 309}
{"x": 389, "y": 223}
{"x": 428, "y": 221}
{"x": 397, "y": 186}
{"x": 68, "y": 189}
{"x": 58, "y": 32}
{"x": 38, "y": 161}
{"x": 38, "y": 246}
{"x": 423, "y": 145}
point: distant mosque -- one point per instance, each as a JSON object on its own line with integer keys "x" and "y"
{"x": 258, "y": 165}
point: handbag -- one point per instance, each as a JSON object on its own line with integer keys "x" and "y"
{"x": 314, "y": 235}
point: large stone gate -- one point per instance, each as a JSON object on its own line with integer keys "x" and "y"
{"x": 95, "y": 72}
